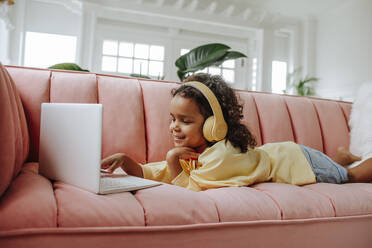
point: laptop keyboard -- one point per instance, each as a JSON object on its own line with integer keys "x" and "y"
{"x": 116, "y": 183}
{"x": 111, "y": 183}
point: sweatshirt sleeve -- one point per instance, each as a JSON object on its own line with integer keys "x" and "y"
{"x": 288, "y": 163}
{"x": 157, "y": 171}
{"x": 223, "y": 165}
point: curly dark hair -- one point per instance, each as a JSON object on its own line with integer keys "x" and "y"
{"x": 238, "y": 134}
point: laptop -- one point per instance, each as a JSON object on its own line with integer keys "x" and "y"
{"x": 70, "y": 149}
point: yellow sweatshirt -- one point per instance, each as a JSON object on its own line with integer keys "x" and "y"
{"x": 223, "y": 165}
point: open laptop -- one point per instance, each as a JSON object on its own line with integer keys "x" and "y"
{"x": 70, "y": 149}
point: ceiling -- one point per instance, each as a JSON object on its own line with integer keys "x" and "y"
{"x": 291, "y": 8}
{"x": 247, "y": 13}
{"x": 288, "y": 8}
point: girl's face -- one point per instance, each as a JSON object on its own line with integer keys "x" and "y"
{"x": 187, "y": 124}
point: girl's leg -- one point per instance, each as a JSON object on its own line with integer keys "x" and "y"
{"x": 344, "y": 157}
{"x": 361, "y": 173}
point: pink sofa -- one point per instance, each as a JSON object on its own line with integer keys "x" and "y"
{"x": 35, "y": 212}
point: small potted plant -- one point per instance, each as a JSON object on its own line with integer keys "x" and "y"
{"x": 303, "y": 86}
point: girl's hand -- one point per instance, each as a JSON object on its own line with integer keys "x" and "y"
{"x": 111, "y": 163}
{"x": 177, "y": 153}
{"x": 182, "y": 153}
{"x": 129, "y": 166}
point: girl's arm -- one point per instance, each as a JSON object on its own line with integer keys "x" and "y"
{"x": 132, "y": 168}
{"x": 128, "y": 165}
{"x": 173, "y": 157}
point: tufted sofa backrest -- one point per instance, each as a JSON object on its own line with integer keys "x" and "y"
{"x": 318, "y": 123}
{"x": 136, "y": 112}
{"x": 123, "y": 117}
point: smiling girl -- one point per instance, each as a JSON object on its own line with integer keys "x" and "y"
{"x": 221, "y": 152}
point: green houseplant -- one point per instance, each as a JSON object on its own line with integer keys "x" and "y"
{"x": 139, "y": 75}
{"x": 67, "y": 66}
{"x": 303, "y": 85}
{"x": 213, "y": 54}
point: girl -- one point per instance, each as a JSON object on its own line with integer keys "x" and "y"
{"x": 198, "y": 162}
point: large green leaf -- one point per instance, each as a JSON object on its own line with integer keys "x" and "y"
{"x": 204, "y": 56}
{"x": 229, "y": 56}
{"x": 181, "y": 75}
{"x": 67, "y": 66}
{"x": 200, "y": 57}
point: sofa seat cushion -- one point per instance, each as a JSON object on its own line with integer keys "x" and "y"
{"x": 346, "y": 199}
{"x": 29, "y": 202}
{"x": 296, "y": 202}
{"x": 169, "y": 205}
{"x": 173, "y": 205}
{"x": 81, "y": 208}
{"x": 243, "y": 204}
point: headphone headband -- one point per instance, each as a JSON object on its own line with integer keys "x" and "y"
{"x": 218, "y": 128}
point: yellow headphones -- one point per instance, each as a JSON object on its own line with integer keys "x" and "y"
{"x": 215, "y": 127}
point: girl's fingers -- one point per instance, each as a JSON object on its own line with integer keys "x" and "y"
{"x": 108, "y": 161}
{"x": 193, "y": 154}
{"x": 188, "y": 155}
{"x": 114, "y": 166}
{"x": 105, "y": 163}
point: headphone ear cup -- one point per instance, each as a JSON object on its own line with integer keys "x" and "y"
{"x": 208, "y": 128}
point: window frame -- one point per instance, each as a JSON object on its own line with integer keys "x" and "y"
{"x": 285, "y": 63}
{"x": 172, "y": 42}
{"x": 108, "y": 32}
{"x": 133, "y": 58}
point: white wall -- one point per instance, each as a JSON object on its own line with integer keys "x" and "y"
{"x": 92, "y": 22}
{"x": 5, "y": 27}
{"x": 4, "y": 43}
{"x": 39, "y": 16}
{"x": 344, "y": 49}
{"x": 50, "y": 18}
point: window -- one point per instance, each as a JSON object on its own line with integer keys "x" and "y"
{"x": 44, "y": 50}
{"x": 254, "y": 74}
{"x": 128, "y": 58}
{"x": 279, "y": 77}
{"x": 226, "y": 70}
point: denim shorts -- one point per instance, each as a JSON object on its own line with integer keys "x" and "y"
{"x": 324, "y": 168}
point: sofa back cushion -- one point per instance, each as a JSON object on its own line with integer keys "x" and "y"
{"x": 34, "y": 88}
{"x": 136, "y": 112}
{"x": 14, "y": 145}
{"x": 123, "y": 117}
{"x": 156, "y": 100}
{"x": 317, "y": 123}
{"x": 333, "y": 125}
{"x": 123, "y": 114}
